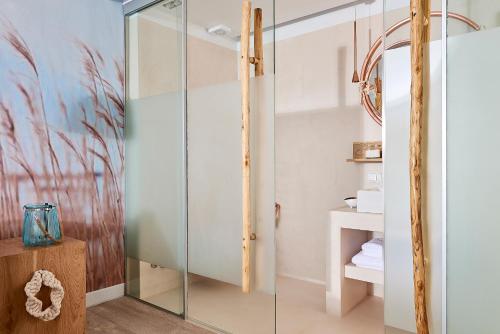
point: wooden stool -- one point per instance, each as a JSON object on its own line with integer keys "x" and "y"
{"x": 17, "y": 265}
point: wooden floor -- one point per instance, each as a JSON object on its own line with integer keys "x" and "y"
{"x": 127, "y": 316}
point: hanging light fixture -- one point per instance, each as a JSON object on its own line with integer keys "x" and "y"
{"x": 355, "y": 76}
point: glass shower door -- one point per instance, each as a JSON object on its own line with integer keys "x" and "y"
{"x": 155, "y": 164}
{"x": 399, "y": 285}
{"x": 214, "y": 155}
{"x": 472, "y": 136}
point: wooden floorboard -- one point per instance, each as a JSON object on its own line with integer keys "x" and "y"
{"x": 129, "y": 316}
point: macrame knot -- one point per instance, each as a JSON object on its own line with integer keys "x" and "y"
{"x": 34, "y": 305}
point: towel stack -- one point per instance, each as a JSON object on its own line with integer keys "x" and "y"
{"x": 371, "y": 255}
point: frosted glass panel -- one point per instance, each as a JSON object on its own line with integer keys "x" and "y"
{"x": 473, "y": 224}
{"x": 399, "y": 307}
{"x": 155, "y": 164}
{"x": 214, "y": 207}
{"x": 214, "y": 138}
{"x": 155, "y": 180}
{"x": 214, "y": 161}
{"x": 215, "y": 182}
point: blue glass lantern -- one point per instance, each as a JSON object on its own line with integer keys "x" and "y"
{"x": 41, "y": 225}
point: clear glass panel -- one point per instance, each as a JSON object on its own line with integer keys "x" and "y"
{"x": 472, "y": 190}
{"x": 318, "y": 117}
{"x": 215, "y": 296}
{"x": 483, "y": 12}
{"x": 399, "y": 302}
{"x": 155, "y": 203}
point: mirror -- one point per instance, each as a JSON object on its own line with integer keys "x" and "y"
{"x": 371, "y": 82}
{"x": 371, "y": 89}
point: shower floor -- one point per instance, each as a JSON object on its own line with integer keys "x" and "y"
{"x": 300, "y": 308}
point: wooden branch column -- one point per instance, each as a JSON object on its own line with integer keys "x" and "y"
{"x": 258, "y": 61}
{"x": 420, "y": 20}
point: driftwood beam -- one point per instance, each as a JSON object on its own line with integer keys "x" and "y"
{"x": 258, "y": 61}
{"x": 257, "y": 42}
{"x": 420, "y": 20}
{"x": 245, "y": 143}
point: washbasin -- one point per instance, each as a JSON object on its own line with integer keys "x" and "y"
{"x": 371, "y": 201}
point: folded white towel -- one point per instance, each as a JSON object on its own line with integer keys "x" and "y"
{"x": 374, "y": 248}
{"x": 364, "y": 261}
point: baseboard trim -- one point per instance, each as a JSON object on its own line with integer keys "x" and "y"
{"x": 103, "y": 295}
{"x": 305, "y": 279}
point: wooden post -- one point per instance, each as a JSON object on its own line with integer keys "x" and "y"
{"x": 245, "y": 142}
{"x": 420, "y": 20}
{"x": 257, "y": 44}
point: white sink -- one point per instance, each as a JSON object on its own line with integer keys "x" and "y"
{"x": 371, "y": 201}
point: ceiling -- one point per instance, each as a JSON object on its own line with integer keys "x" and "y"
{"x": 287, "y": 10}
{"x": 228, "y": 12}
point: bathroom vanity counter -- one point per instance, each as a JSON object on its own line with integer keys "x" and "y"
{"x": 351, "y": 219}
{"x": 348, "y": 285}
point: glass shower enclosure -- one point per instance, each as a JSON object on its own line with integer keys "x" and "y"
{"x": 184, "y": 209}
{"x": 472, "y": 117}
{"x": 155, "y": 158}
{"x": 460, "y": 189}
{"x": 184, "y": 171}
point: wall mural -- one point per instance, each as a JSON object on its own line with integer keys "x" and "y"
{"x": 61, "y": 123}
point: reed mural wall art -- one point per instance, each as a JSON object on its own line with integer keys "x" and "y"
{"x": 61, "y": 123}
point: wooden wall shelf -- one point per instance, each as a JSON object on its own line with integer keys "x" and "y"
{"x": 360, "y": 150}
{"x": 362, "y": 161}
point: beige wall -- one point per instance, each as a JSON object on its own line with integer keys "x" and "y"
{"x": 210, "y": 64}
{"x": 157, "y": 54}
{"x": 319, "y": 116}
{"x": 312, "y": 178}
{"x": 159, "y": 58}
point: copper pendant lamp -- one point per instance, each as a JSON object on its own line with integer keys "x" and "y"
{"x": 355, "y": 76}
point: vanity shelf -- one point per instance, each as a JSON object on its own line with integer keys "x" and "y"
{"x": 348, "y": 285}
{"x": 363, "y": 274}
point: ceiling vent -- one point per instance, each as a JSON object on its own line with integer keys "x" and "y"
{"x": 220, "y": 30}
{"x": 171, "y": 4}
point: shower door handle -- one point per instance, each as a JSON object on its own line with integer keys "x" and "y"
{"x": 258, "y": 61}
{"x": 277, "y": 213}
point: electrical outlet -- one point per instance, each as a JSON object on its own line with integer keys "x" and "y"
{"x": 372, "y": 177}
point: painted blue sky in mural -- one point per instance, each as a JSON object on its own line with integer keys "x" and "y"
{"x": 54, "y": 45}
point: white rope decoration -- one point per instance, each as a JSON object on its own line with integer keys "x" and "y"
{"x": 34, "y": 305}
